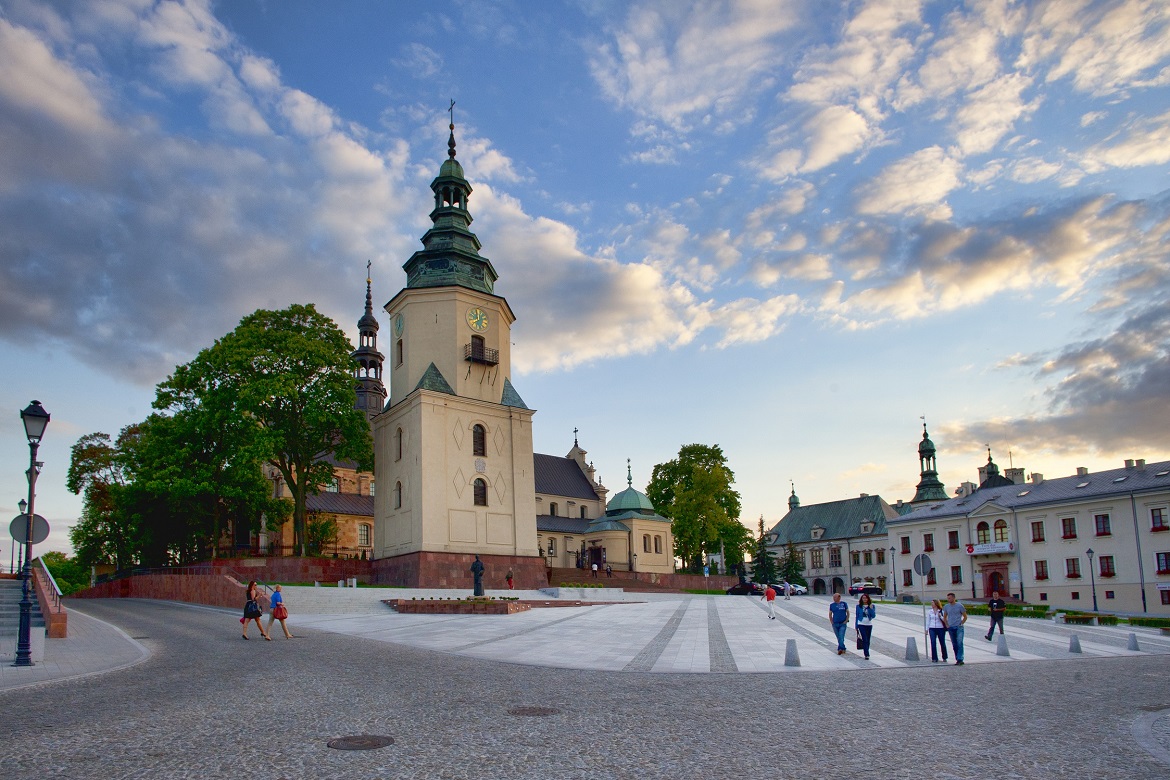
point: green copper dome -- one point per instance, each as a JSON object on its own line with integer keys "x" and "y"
{"x": 629, "y": 499}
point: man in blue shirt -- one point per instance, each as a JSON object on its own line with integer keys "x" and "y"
{"x": 839, "y": 619}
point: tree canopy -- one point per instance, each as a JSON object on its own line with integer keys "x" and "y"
{"x": 764, "y": 566}
{"x": 695, "y": 491}
{"x": 280, "y": 389}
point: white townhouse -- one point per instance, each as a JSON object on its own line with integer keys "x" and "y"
{"x": 1087, "y": 541}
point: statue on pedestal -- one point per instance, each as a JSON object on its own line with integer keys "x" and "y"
{"x": 477, "y": 572}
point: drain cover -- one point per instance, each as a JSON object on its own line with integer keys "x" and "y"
{"x": 534, "y": 712}
{"x": 361, "y": 742}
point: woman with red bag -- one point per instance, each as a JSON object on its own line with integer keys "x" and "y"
{"x": 279, "y": 612}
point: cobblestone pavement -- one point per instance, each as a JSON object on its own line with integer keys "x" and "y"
{"x": 207, "y": 704}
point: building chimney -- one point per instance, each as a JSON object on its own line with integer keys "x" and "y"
{"x": 1037, "y": 478}
{"x": 865, "y": 495}
{"x": 1082, "y": 471}
{"x": 1129, "y": 463}
{"x": 1141, "y": 464}
{"x": 1016, "y": 475}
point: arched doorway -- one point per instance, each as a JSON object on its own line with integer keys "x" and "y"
{"x": 818, "y": 587}
{"x": 838, "y": 585}
{"x": 995, "y": 582}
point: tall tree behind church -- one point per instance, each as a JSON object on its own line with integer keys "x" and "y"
{"x": 695, "y": 491}
{"x": 289, "y": 372}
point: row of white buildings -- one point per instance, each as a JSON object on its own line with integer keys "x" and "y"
{"x": 1090, "y": 541}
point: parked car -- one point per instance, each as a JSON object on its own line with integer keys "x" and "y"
{"x": 857, "y": 588}
{"x": 746, "y": 589}
{"x": 797, "y": 590}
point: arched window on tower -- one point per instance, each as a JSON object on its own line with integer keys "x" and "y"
{"x": 397, "y": 495}
{"x": 658, "y": 544}
{"x": 478, "y": 440}
{"x": 982, "y": 533}
{"x": 583, "y": 515}
{"x": 479, "y": 488}
{"x": 645, "y": 542}
{"x": 398, "y": 353}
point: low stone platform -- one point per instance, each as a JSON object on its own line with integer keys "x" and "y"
{"x": 456, "y": 607}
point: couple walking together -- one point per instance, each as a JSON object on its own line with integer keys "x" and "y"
{"x": 864, "y": 614}
{"x": 253, "y": 611}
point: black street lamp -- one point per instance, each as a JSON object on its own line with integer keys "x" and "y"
{"x": 35, "y": 419}
{"x": 1092, "y": 577}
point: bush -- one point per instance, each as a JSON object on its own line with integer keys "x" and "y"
{"x": 1150, "y": 622}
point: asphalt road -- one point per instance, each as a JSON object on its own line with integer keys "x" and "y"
{"x": 209, "y": 705}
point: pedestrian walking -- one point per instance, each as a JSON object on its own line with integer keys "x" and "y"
{"x": 954, "y": 615}
{"x": 279, "y": 612}
{"x": 839, "y": 620}
{"x": 608, "y": 570}
{"x": 787, "y": 591}
{"x": 253, "y": 610}
{"x": 770, "y": 597}
{"x": 594, "y": 568}
{"x": 938, "y": 632}
{"x": 863, "y": 622}
{"x": 508, "y": 577}
{"x": 998, "y": 608}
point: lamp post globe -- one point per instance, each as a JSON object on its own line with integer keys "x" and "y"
{"x": 35, "y": 420}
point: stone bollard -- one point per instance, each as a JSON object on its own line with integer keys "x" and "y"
{"x": 316, "y": 584}
{"x": 911, "y": 649}
{"x": 1001, "y": 648}
{"x": 1074, "y": 644}
{"x": 1133, "y": 645}
{"x": 341, "y": 583}
{"x": 791, "y": 656}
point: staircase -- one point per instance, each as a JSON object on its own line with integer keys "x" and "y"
{"x": 10, "y": 594}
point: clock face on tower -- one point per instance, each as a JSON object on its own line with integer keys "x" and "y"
{"x": 477, "y": 318}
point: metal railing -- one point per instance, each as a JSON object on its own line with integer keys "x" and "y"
{"x": 476, "y": 353}
{"x": 55, "y": 593}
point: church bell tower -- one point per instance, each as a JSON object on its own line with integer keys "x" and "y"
{"x": 453, "y": 450}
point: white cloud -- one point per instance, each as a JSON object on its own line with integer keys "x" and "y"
{"x": 682, "y": 63}
{"x": 1029, "y": 170}
{"x": 990, "y": 112}
{"x": 916, "y": 184}
{"x": 1145, "y": 141}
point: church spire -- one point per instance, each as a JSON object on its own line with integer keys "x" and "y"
{"x": 930, "y": 488}
{"x": 371, "y": 393}
{"x": 450, "y": 254}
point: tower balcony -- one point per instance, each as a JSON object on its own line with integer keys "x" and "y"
{"x": 478, "y": 353}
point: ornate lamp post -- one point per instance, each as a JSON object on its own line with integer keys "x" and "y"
{"x": 35, "y": 419}
{"x": 1092, "y": 577}
{"x": 894, "y": 571}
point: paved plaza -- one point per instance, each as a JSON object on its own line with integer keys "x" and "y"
{"x": 664, "y": 687}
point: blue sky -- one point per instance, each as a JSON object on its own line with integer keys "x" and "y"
{"x": 787, "y": 228}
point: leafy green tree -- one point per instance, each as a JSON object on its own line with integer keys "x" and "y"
{"x": 322, "y": 533}
{"x": 97, "y": 471}
{"x": 69, "y": 573}
{"x": 695, "y": 491}
{"x": 764, "y": 568}
{"x": 285, "y": 378}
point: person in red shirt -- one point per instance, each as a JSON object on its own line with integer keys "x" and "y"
{"x": 770, "y": 597}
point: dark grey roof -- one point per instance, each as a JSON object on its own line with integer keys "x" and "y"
{"x": 1155, "y": 476}
{"x": 341, "y": 504}
{"x": 561, "y": 525}
{"x": 511, "y": 397}
{"x": 432, "y": 379}
{"x": 840, "y": 519}
{"x": 561, "y": 477}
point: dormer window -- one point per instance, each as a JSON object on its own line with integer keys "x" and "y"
{"x": 867, "y": 526}
{"x": 817, "y": 532}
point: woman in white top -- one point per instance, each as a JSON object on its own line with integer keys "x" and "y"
{"x": 938, "y": 631}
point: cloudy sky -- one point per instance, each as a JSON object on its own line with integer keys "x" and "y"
{"x": 788, "y": 228}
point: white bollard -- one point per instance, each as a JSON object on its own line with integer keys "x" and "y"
{"x": 1074, "y": 644}
{"x": 911, "y": 649}
{"x": 1001, "y": 648}
{"x": 1133, "y": 645}
{"x": 316, "y": 584}
{"x": 341, "y": 583}
{"x": 791, "y": 656}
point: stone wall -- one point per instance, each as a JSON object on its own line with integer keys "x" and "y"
{"x": 453, "y": 570}
{"x": 216, "y": 590}
{"x": 288, "y": 570}
{"x": 685, "y": 581}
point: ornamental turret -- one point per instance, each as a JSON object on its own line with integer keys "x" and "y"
{"x": 371, "y": 392}
{"x": 930, "y": 489}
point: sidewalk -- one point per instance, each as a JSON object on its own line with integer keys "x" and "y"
{"x": 92, "y": 647}
{"x": 647, "y": 632}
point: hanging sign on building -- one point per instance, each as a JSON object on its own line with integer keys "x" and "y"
{"x": 990, "y": 547}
